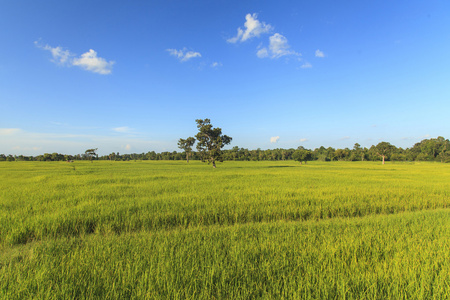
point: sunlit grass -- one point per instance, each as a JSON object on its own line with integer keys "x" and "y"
{"x": 246, "y": 229}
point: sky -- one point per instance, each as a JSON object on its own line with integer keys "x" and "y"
{"x": 133, "y": 76}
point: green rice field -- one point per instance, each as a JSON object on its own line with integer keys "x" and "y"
{"x": 246, "y": 230}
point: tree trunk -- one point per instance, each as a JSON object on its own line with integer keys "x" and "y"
{"x": 214, "y": 164}
{"x": 187, "y": 158}
{"x": 383, "y": 159}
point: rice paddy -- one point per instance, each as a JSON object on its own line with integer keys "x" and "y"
{"x": 246, "y": 230}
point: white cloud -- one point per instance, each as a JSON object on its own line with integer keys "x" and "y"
{"x": 253, "y": 28}
{"x": 176, "y": 53}
{"x": 319, "y": 53}
{"x": 90, "y": 62}
{"x": 303, "y": 140}
{"x": 59, "y": 55}
{"x": 344, "y": 138}
{"x": 278, "y": 44}
{"x": 306, "y": 65}
{"x": 216, "y": 64}
{"x": 128, "y": 147}
{"x": 18, "y": 148}
{"x": 191, "y": 54}
{"x": 262, "y": 53}
{"x": 183, "y": 55}
{"x": 9, "y": 131}
{"x": 278, "y": 47}
{"x": 123, "y": 129}
{"x": 274, "y": 139}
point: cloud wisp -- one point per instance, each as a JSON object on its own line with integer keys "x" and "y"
{"x": 216, "y": 64}
{"x": 9, "y": 131}
{"x": 183, "y": 54}
{"x": 252, "y": 28}
{"x": 88, "y": 61}
{"x": 319, "y": 53}
{"x": 278, "y": 47}
{"x": 306, "y": 65}
{"x": 274, "y": 139}
{"x": 123, "y": 129}
{"x": 59, "y": 55}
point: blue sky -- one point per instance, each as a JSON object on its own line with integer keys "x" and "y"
{"x": 132, "y": 76}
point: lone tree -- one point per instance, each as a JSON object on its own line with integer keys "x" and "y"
{"x": 91, "y": 153}
{"x": 210, "y": 141}
{"x": 384, "y": 149}
{"x": 186, "y": 145}
{"x": 302, "y": 155}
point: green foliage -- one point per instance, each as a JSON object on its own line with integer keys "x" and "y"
{"x": 384, "y": 150}
{"x": 210, "y": 141}
{"x": 186, "y": 145}
{"x": 302, "y": 155}
{"x": 432, "y": 149}
{"x": 90, "y": 154}
{"x": 427, "y": 150}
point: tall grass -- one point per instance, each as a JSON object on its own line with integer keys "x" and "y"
{"x": 402, "y": 256}
{"x": 40, "y": 200}
{"x": 244, "y": 230}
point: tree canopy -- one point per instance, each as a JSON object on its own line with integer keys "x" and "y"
{"x": 91, "y": 153}
{"x": 186, "y": 145}
{"x": 210, "y": 141}
{"x": 384, "y": 149}
{"x": 433, "y": 149}
{"x": 302, "y": 155}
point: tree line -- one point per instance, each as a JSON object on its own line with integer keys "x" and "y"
{"x": 434, "y": 149}
{"x": 210, "y": 142}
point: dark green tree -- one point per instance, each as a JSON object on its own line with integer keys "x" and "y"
{"x": 384, "y": 149}
{"x": 431, "y": 149}
{"x": 341, "y": 154}
{"x": 302, "y": 155}
{"x": 186, "y": 145}
{"x": 444, "y": 155}
{"x": 358, "y": 152}
{"x": 90, "y": 154}
{"x": 210, "y": 141}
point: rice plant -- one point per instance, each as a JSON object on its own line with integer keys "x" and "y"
{"x": 164, "y": 229}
